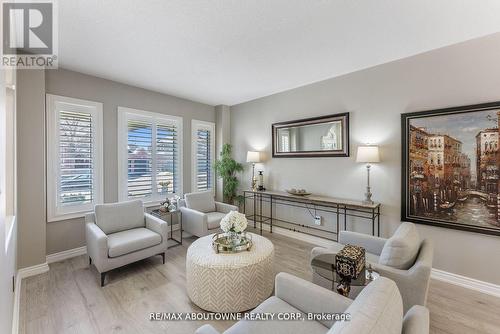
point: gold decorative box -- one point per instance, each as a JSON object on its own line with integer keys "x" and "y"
{"x": 350, "y": 261}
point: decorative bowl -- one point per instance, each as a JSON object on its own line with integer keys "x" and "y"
{"x": 298, "y": 192}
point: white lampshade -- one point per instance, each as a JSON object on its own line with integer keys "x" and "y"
{"x": 253, "y": 156}
{"x": 368, "y": 154}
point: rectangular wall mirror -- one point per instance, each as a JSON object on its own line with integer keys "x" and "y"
{"x": 325, "y": 136}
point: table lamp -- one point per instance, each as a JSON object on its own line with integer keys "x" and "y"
{"x": 368, "y": 154}
{"x": 253, "y": 157}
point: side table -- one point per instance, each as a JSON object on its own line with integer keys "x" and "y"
{"x": 324, "y": 265}
{"x": 168, "y": 217}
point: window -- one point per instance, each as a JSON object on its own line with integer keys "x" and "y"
{"x": 74, "y": 156}
{"x": 203, "y": 149}
{"x": 149, "y": 155}
{"x": 284, "y": 143}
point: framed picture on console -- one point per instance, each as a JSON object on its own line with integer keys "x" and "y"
{"x": 324, "y": 136}
{"x": 450, "y": 168}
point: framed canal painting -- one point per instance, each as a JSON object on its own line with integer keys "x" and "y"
{"x": 450, "y": 168}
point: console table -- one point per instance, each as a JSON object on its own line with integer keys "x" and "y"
{"x": 341, "y": 208}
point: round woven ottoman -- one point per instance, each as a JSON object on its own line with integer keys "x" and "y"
{"x": 229, "y": 282}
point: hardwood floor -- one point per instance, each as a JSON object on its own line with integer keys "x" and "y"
{"x": 68, "y": 299}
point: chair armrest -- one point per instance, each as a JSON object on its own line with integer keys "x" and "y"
{"x": 97, "y": 243}
{"x": 413, "y": 283}
{"x": 224, "y": 207}
{"x": 372, "y": 244}
{"x": 309, "y": 297}
{"x": 416, "y": 321}
{"x": 193, "y": 214}
{"x": 320, "y": 250}
{"x": 206, "y": 329}
{"x": 418, "y": 274}
{"x": 194, "y": 222}
{"x": 157, "y": 225}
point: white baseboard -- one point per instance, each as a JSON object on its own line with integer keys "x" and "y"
{"x": 24, "y": 273}
{"x": 33, "y": 271}
{"x": 466, "y": 282}
{"x": 318, "y": 241}
{"x": 67, "y": 254}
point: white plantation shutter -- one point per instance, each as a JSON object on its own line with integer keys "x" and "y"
{"x": 204, "y": 166}
{"x": 74, "y": 156}
{"x": 153, "y": 154}
{"x": 167, "y": 158}
{"x": 203, "y": 155}
{"x": 140, "y": 158}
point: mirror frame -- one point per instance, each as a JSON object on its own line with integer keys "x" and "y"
{"x": 344, "y": 152}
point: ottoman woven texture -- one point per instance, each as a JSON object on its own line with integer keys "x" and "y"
{"x": 229, "y": 282}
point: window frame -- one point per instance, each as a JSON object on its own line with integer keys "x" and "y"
{"x": 195, "y": 126}
{"x": 124, "y": 114}
{"x": 55, "y": 212}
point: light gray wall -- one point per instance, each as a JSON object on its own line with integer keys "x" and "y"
{"x": 462, "y": 74}
{"x": 222, "y": 136}
{"x": 69, "y": 234}
{"x": 31, "y": 204}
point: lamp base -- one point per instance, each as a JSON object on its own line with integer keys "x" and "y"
{"x": 368, "y": 197}
{"x": 254, "y": 183}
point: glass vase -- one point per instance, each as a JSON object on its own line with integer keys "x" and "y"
{"x": 234, "y": 237}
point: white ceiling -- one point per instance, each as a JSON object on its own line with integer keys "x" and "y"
{"x": 231, "y": 51}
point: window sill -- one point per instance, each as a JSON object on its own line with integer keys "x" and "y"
{"x": 152, "y": 204}
{"x": 68, "y": 216}
{"x": 82, "y": 214}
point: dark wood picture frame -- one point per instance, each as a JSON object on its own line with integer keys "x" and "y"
{"x": 344, "y": 152}
{"x": 406, "y": 183}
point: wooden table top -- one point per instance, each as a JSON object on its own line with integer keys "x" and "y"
{"x": 316, "y": 199}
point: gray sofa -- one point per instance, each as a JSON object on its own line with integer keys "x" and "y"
{"x": 378, "y": 309}
{"x": 404, "y": 258}
{"x": 121, "y": 233}
{"x": 201, "y": 214}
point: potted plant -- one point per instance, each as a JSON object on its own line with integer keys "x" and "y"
{"x": 226, "y": 168}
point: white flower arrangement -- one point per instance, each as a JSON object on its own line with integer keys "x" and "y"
{"x": 234, "y": 222}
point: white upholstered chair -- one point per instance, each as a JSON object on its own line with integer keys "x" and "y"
{"x": 201, "y": 214}
{"x": 378, "y": 309}
{"x": 121, "y": 233}
{"x": 404, "y": 258}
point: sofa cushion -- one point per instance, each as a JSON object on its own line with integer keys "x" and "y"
{"x": 274, "y": 305}
{"x": 401, "y": 250}
{"x": 201, "y": 201}
{"x": 129, "y": 241}
{"x": 116, "y": 217}
{"x": 213, "y": 219}
{"x": 378, "y": 309}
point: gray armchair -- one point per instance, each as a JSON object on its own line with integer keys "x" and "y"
{"x": 378, "y": 309}
{"x": 121, "y": 233}
{"x": 404, "y": 258}
{"x": 201, "y": 214}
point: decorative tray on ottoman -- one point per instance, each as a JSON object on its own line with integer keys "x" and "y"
{"x": 230, "y": 243}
